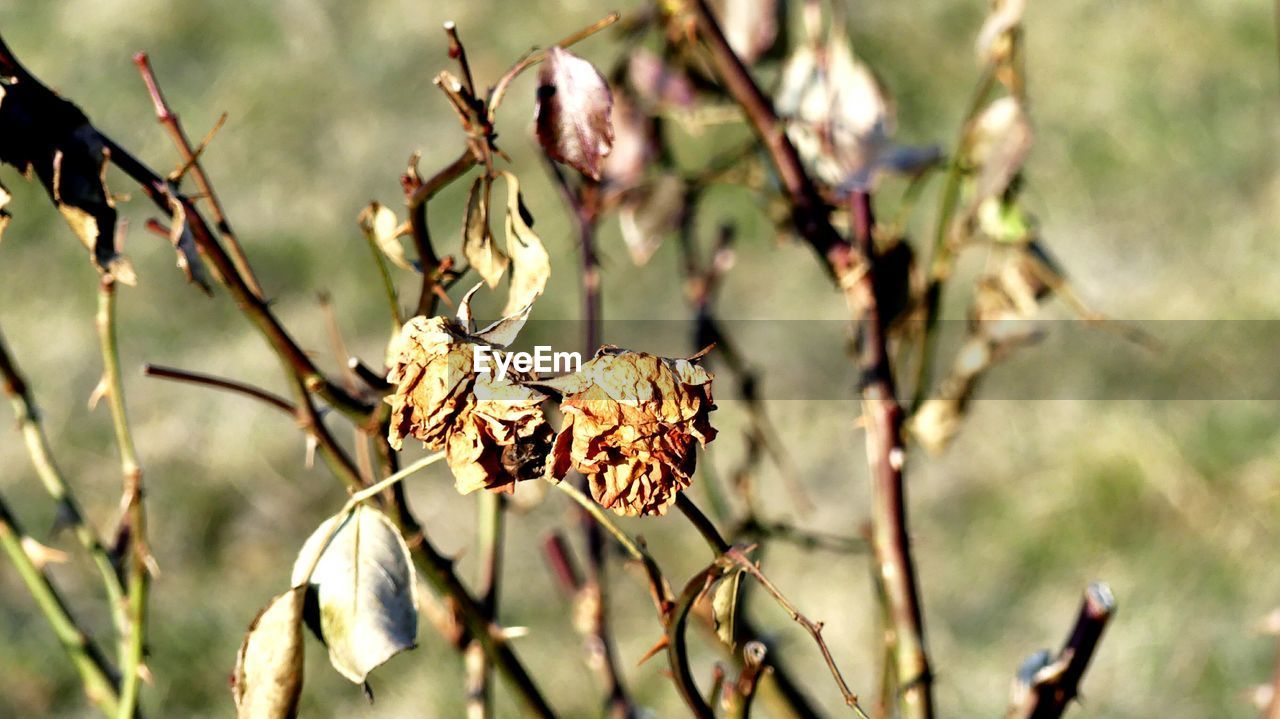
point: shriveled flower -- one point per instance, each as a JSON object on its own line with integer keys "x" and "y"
{"x": 631, "y": 420}
{"x": 502, "y": 437}
{"x": 431, "y": 363}
{"x": 493, "y": 432}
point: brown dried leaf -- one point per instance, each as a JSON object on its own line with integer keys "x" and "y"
{"x": 530, "y": 264}
{"x": 45, "y": 135}
{"x": 477, "y": 241}
{"x": 572, "y": 115}
{"x": 268, "y": 675}
{"x": 184, "y": 243}
{"x": 631, "y": 420}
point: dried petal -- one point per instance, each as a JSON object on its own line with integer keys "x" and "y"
{"x": 572, "y": 115}
{"x": 631, "y": 420}
{"x": 431, "y": 372}
{"x": 657, "y": 83}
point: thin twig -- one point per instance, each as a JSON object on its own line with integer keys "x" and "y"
{"x": 814, "y": 628}
{"x": 248, "y": 390}
{"x": 169, "y": 119}
{"x": 137, "y": 559}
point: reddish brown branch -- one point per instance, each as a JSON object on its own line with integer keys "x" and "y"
{"x": 854, "y": 269}
{"x": 247, "y": 390}
{"x": 1044, "y": 688}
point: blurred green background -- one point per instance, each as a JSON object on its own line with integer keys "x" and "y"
{"x": 1155, "y": 177}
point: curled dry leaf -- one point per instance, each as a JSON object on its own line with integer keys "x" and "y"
{"x": 382, "y": 229}
{"x": 365, "y": 588}
{"x": 184, "y": 243}
{"x": 45, "y": 135}
{"x": 631, "y": 420}
{"x": 493, "y": 432}
{"x": 477, "y": 241}
{"x": 268, "y": 676}
{"x": 530, "y": 264}
{"x": 573, "y": 112}
{"x": 996, "y": 145}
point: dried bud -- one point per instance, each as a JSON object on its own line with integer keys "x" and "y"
{"x": 630, "y": 424}
{"x": 493, "y": 432}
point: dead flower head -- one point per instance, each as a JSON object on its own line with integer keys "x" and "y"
{"x": 630, "y": 423}
{"x": 493, "y": 432}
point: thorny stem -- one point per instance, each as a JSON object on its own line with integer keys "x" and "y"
{"x": 814, "y": 628}
{"x": 96, "y": 673}
{"x": 886, "y": 454}
{"x": 134, "y": 520}
{"x": 852, "y": 268}
{"x": 69, "y": 512}
{"x": 169, "y": 119}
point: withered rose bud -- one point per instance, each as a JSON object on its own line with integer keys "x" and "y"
{"x": 493, "y": 432}
{"x": 631, "y": 420}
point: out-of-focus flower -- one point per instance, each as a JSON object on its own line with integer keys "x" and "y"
{"x": 631, "y": 420}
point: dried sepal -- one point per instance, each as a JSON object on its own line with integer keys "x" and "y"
{"x": 268, "y": 675}
{"x": 631, "y": 421}
{"x": 573, "y": 112}
{"x": 383, "y": 230}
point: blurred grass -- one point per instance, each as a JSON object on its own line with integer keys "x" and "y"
{"x": 1155, "y": 177}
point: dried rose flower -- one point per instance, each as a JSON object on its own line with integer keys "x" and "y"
{"x": 630, "y": 423}
{"x": 493, "y": 432}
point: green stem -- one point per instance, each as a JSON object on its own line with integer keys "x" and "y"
{"x": 133, "y": 641}
{"x": 942, "y": 254}
{"x": 95, "y": 669}
{"x": 37, "y": 442}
